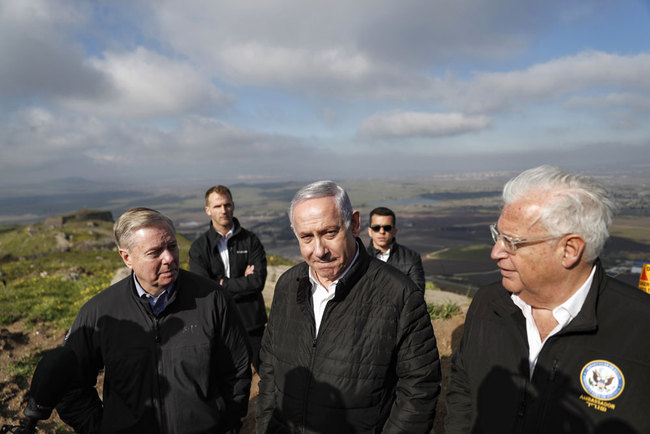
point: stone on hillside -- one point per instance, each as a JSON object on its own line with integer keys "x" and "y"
{"x": 83, "y": 215}
{"x": 63, "y": 243}
{"x": 120, "y": 274}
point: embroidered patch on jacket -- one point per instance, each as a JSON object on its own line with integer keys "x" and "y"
{"x": 602, "y": 380}
{"x": 242, "y": 252}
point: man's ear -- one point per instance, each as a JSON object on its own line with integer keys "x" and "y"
{"x": 126, "y": 257}
{"x": 207, "y": 211}
{"x": 574, "y": 247}
{"x": 355, "y": 223}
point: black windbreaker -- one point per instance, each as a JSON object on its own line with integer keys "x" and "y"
{"x": 244, "y": 248}
{"x": 591, "y": 377}
{"x": 405, "y": 260}
{"x": 185, "y": 371}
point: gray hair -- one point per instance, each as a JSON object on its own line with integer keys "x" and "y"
{"x": 134, "y": 219}
{"x": 576, "y": 204}
{"x": 324, "y": 189}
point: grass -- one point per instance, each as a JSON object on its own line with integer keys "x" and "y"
{"x": 50, "y": 299}
{"x": 278, "y": 260}
{"x": 22, "y": 370}
{"x": 443, "y": 311}
{"x": 430, "y": 286}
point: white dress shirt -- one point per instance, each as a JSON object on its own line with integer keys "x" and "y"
{"x": 321, "y": 295}
{"x": 383, "y": 256}
{"x": 563, "y": 314}
{"x": 222, "y": 244}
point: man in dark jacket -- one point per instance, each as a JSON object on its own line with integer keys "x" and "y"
{"x": 171, "y": 345}
{"x": 349, "y": 347}
{"x": 234, "y": 257}
{"x": 557, "y": 346}
{"x": 382, "y": 228}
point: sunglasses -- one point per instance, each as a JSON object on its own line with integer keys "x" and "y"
{"x": 376, "y": 228}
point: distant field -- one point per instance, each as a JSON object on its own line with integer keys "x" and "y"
{"x": 470, "y": 253}
{"x": 635, "y": 228}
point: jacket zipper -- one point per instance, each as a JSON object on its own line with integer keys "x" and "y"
{"x": 551, "y": 379}
{"x": 304, "y": 407}
{"x": 312, "y": 357}
{"x": 157, "y": 354}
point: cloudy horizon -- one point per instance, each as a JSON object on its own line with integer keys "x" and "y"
{"x": 167, "y": 92}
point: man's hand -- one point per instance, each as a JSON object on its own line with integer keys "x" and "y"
{"x": 250, "y": 269}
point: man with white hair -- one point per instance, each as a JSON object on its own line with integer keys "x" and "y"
{"x": 557, "y": 346}
{"x": 349, "y": 346}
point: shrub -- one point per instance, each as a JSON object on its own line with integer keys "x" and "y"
{"x": 443, "y": 311}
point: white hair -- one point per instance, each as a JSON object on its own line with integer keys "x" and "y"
{"x": 324, "y": 189}
{"x": 576, "y": 204}
{"x": 134, "y": 219}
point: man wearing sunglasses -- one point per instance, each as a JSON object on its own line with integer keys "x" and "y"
{"x": 557, "y": 346}
{"x": 383, "y": 245}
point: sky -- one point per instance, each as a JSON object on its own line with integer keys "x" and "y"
{"x": 166, "y": 92}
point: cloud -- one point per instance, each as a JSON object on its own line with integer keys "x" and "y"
{"x": 39, "y": 56}
{"x": 262, "y": 64}
{"x": 38, "y": 143}
{"x": 146, "y": 84}
{"x": 586, "y": 71}
{"x": 612, "y": 100}
{"x": 371, "y": 46}
{"x": 401, "y": 125}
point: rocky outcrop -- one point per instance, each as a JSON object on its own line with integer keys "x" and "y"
{"x": 83, "y": 215}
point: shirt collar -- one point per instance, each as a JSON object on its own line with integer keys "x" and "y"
{"x": 383, "y": 256}
{"x": 571, "y": 308}
{"x": 315, "y": 282}
{"x": 142, "y": 292}
{"x": 568, "y": 310}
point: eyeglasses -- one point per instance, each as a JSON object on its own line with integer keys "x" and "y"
{"x": 511, "y": 244}
{"x": 376, "y": 228}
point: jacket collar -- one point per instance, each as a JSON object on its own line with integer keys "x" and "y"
{"x": 171, "y": 297}
{"x": 216, "y": 236}
{"x": 585, "y": 321}
{"x": 345, "y": 284}
{"x": 373, "y": 251}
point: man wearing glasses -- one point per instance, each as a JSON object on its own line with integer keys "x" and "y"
{"x": 557, "y": 346}
{"x": 383, "y": 245}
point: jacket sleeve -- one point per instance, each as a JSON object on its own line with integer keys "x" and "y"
{"x": 416, "y": 272}
{"x": 266, "y": 397}
{"x": 417, "y": 369}
{"x": 459, "y": 398}
{"x": 234, "y": 365}
{"x": 253, "y": 283}
{"x": 80, "y": 407}
{"x": 199, "y": 262}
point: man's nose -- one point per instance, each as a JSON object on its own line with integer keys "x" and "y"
{"x": 167, "y": 256}
{"x": 498, "y": 251}
{"x": 320, "y": 249}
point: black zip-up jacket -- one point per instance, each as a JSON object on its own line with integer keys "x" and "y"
{"x": 185, "y": 371}
{"x": 575, "y": 387}
{"x": 244, "y": 249}
{"x": 405, "y": 260}
{"x": 373, "y": 368}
